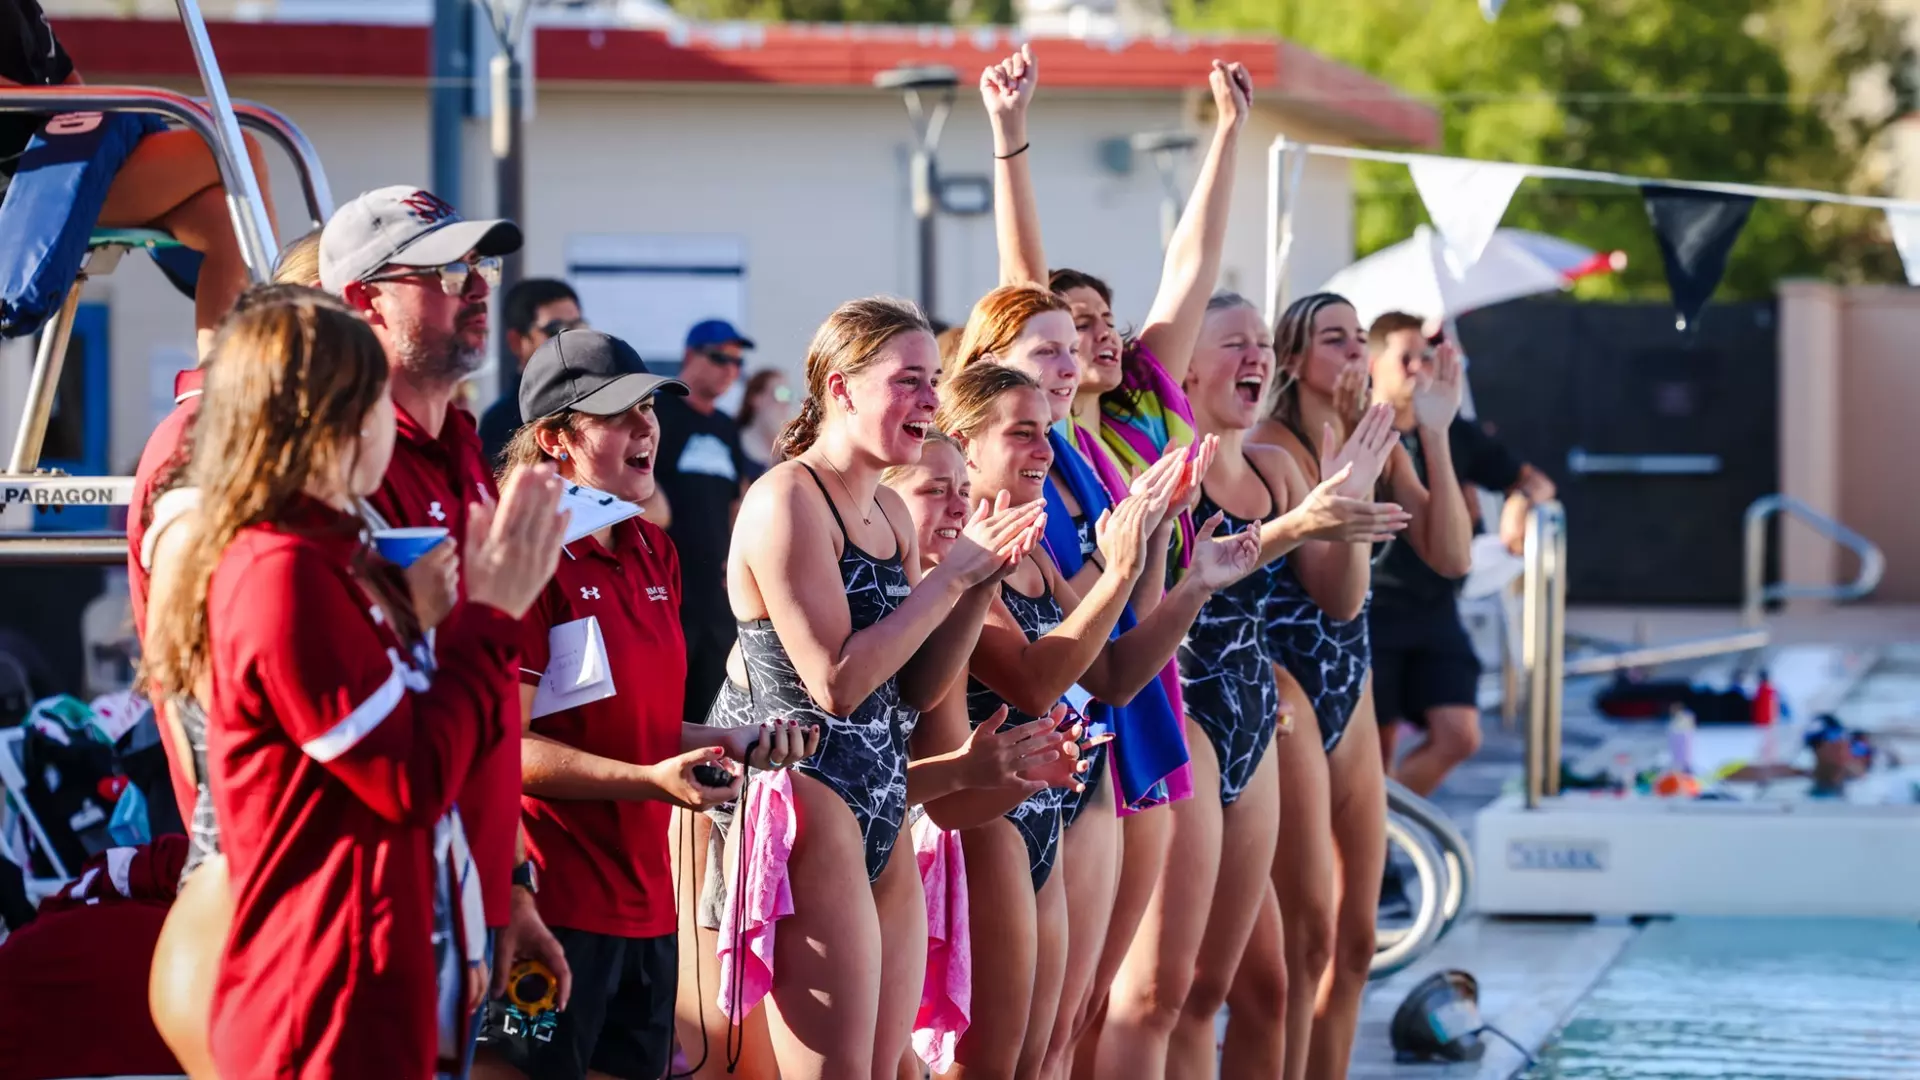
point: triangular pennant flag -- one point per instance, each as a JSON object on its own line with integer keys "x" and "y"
{"x": 1696, "y": 229}
{"x": 1906, "y": 237}
{"x": 1466, "y": 200}
{"x": 1490, "y": 9}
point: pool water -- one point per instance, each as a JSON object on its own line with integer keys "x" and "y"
{"x": 1751, "y": 998}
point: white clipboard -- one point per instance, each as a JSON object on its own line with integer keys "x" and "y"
{"x": 593, "y": 510}
{"x": 577, "y": 670}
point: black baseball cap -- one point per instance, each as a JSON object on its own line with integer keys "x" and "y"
{"x": 589, "y": 372}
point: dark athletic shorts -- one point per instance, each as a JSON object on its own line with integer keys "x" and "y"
{"x": 1422, "y": 659}
{"x": 619, "y": 1021}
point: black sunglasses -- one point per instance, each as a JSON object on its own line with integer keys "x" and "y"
{"x": 553, "y": 328}
{"x": 453, "y": 277}
{"x": 726, "y": 359}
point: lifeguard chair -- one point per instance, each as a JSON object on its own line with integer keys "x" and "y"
{"x": 50, "y": 248}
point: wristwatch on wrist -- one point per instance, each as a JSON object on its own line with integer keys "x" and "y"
{"x": 526, "y": 877}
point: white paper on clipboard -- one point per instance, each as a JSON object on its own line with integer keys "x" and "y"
{"x": 593, "y": 510}
{"x": 577, "y": 669}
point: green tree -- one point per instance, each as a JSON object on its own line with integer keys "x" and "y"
{"x": 1792, "y": 92}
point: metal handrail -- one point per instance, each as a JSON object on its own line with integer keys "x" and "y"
{"x": 217, "y": 124}
{"x": 306, "y": 160}
{"x": 245, "y": 203}
{"x": 1873, "y": 563}
{"x": 1448, "y": 838}
{"x": 1543, "y": 640}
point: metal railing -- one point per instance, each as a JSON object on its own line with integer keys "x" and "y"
{"x": 1543, "y": 632}
{"x": 1543, "y": 619}
{"x": 218, "y": 122}
{"x": 1757, "y": 593}
{"x": 1443, "y": 865}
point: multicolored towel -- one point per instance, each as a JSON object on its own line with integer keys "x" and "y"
{"x": 1151, "y": 764}
{"x": 1139, "y": 419}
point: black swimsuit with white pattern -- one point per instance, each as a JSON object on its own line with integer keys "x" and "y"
{"x": 1226, "y": 667}
{"x": 203, "y": 832}
{"x": 862, "y": 756}
{"x": 1328, "y": 658}
{"x": 1038, "y": 818}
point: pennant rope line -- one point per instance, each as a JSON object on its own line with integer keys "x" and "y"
{"x": 1557, "y": 172}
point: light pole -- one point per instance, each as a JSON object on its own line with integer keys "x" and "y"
{"x": 929, "y": 117}
{"x": 1168, "y": 149}
{"x": 508, "y": 18}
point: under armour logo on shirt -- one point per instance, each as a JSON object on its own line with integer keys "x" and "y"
{"x": 437, "y": 514}
{"x": 589, "y": 592}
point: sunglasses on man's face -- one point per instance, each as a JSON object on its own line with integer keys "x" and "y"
{"x": 553, "y": 328}
{"x": 724, "y": 359}
{"x": 454, "y": 277}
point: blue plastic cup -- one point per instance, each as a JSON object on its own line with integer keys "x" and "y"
{"x": 402, "y": 546}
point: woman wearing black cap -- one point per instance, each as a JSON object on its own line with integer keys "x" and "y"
{"x": 600, "y": 776}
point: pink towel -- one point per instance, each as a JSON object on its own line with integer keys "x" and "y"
{"x": 760, "y": 895}
{"x": 947, "y": 1000}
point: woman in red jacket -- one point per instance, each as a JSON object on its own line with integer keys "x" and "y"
{"x": 336, "y": 737}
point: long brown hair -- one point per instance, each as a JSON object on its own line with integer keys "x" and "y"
{"x": 1292, "y": 337}
{"x": 288, "y": 389}
{"x": 997, "y": 320}
{"x": 848, "y": 342}
{"x": 966, "y": 400}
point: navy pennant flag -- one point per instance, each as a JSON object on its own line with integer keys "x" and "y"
{"x": 1696, "y": 230}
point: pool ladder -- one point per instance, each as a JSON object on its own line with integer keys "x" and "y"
{"x": 1442, "y": 867}
{"x": 1544, "y": 663}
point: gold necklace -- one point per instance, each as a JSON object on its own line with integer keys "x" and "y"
{"x": 845, "y": 487}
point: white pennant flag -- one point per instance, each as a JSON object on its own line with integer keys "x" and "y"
{"x": 1466, "y": 200}
{"x": 1906, "y": 237}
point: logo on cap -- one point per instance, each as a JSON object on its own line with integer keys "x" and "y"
{"x": 429, "y": 209}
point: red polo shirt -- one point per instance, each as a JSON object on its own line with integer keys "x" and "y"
{"x": 605, "y": 865}
{"x": 166, "y": 451}
{"x": 430, "y": 482}
{"x": 330, "y": 760}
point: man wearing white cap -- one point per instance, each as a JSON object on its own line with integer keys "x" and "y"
{"x": 421, "y": 276}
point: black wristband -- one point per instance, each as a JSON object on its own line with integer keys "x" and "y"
{"x": 1015, "y": 154}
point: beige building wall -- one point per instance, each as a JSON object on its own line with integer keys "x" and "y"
{"x": 1849, "y": 396}
{"x": 813, "y": 181}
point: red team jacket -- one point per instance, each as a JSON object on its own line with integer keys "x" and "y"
{"x": 430, "y": 482}
{"x": 329, "y": 764}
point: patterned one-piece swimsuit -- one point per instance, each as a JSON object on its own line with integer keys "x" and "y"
{"x": 862, "y": 756}
{"x": 1038, "y": 819}
{"x": 1226, "y": 667}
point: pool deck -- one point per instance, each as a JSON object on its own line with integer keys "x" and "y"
{"x": 1533, "y": 973}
